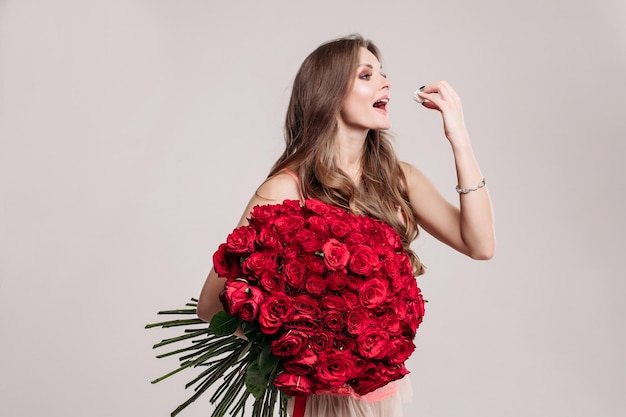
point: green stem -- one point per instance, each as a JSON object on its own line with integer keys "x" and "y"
{"x": 235, "y": 389}
{"x": 173, "y": 323}
{"x": 179, "y": 311}
{"x": 198, "y": 346}
{"x": 171, "y": 373}
{"x": 179, "y": 338}
{"x": 220, "y": 343}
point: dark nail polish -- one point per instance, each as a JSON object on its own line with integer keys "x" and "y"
{"x": 422, "y": 88}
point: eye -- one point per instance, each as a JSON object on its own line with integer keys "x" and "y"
{"x": 384, "y": 74}
{"x": 365, "y": 75}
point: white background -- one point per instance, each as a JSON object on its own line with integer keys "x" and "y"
{"x": 132, "y": 134}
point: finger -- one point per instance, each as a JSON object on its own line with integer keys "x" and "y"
{"x": 441, "y": 87}
{"x": 447, "y": 92}
{"x": 429, "y": 88}
{"x": 431, "y": 105}
{"x": 430, "y": 92}
{"x": 433, "y": 98}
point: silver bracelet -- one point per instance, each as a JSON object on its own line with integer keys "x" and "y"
{"x": 467, "y": 190}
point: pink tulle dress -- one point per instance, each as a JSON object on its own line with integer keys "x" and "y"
{"x": 383, "y": 402}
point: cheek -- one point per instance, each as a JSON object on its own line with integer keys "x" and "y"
{"x": 356, "y": 102}
{"x": 362, "y": 94}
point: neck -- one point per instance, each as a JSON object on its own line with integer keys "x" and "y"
{"x": 350, "y": 143}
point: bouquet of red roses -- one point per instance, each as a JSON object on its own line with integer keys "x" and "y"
{"x": 326, "y": 299}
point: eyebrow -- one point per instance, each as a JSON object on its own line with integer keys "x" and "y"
{"x": 369, "y": 66}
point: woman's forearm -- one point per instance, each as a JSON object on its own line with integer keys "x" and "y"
{"x": 477, "y": 223}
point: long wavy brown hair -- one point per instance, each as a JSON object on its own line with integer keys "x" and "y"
{"x": 323, "y": 80}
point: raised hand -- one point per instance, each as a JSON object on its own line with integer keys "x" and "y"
{"x": 441, "y": 96}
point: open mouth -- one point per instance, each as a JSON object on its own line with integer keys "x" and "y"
{"x": 381, "y": 104}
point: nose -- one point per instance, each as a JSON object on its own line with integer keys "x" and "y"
{"x": 385, "y": 83}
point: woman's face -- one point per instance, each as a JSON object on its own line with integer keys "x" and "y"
{"x": 365, "y": 105}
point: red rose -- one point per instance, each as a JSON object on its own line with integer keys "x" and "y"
{"x": 336, "y": 280}
{"x": 272, "y": 282}
{"x": 309, "y": 240}
{"x": 419, "y": 305}
{"x": 376, "y": 235}
{"x": 316, "y": 206}
{"x": 241, "y": 240}
{"x": 333, "y": 302}
{"x": 356, "y": 238}
{"x": 294, "y": 270}
{"x": 373, "y": 293}
{"x": 305, "y": 304}
{"x": 315, "y": 285}
{"x": 370, "y": 383}
{"x": 375, "y": 377}
{"x": 415, "y": 314}
{"x": 366, "y": 225}
{"x": 262, "y": 215}
{"x": 302, "y": 364}
{"x": 351, "y": 299}
{"x": 250, "y": 309}
{"x": 338, "y": 228}
{"x": 390, "y": 322}
{"x": 293, "y": 385}
{"x": 404, "y": 263}
{"x": 395, "y": 372}
{"x": 225, "y": 264}
{"x": 336, "y": 213}
{"x": 287, "y": 226}
{"x": 373, "y": 343}
{"x": 314, "y": 264}
{"x": 342, "y": 343}
{"x": 291, "y": 251}
{"x": 291, "y": 206}
{"x": 363, "y": 260}
{"x": 320, "y": 341}
{"x": 318, "y": 225}
{"x": 333, "y": 321}
{"x": 392, "y": 237}
{"x": 400, "y": 309}
{"x": 391, "y": 269}
{"x": 276, "y": 309}
{"x": 290, "y": 343}
{"x": 303, "y": 322}
{"x": 357, "y": 321}
{"x": 336, "y": 255}
{"x": 354, "y": 282}
{"x": 334, "y": 369}
{"x": 237, "y": 292}
{"x": 260, "y": 263}
{"x": 268, "y": 238}
{"x": 399, "y": 350}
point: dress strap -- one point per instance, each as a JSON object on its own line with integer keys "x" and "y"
{"x": 295, "y": 177}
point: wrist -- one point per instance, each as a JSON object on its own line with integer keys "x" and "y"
{"x": 458, "y": 136}
{"x": 461, "y": 146}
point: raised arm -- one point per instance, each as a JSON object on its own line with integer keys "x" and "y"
{"x": 468, "y": 228}
{"x": 275, "y": 190}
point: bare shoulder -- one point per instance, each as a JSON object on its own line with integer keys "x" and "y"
{"x": 279, "y": 188}
{"x": 414, "y": 177}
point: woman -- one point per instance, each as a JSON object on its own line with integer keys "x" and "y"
{"x": 337, "y": 151}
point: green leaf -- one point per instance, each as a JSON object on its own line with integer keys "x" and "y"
{"x": 251, "y": 330}
{"x": 255, "y": 380}
{"x": 223, "y": 324}
{"x": 267, "y": 361}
